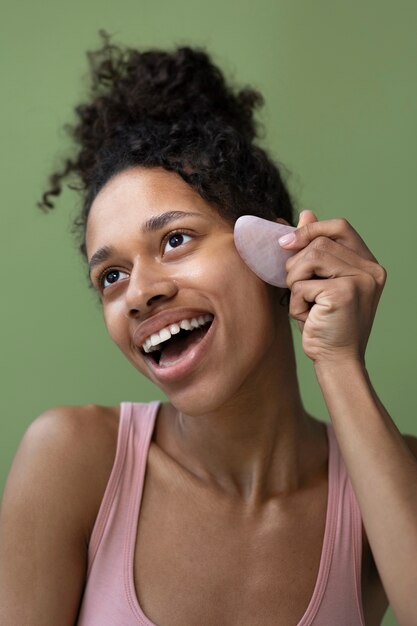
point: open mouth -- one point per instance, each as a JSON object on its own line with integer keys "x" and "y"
{"x": 177, "y": 346}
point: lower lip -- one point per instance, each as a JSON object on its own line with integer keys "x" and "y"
{"x": 186, "y": 364}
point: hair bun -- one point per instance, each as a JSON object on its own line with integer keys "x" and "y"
{"x": 129, "y": 86}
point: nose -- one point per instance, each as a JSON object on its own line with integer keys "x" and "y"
{"x": 147, "y": 287}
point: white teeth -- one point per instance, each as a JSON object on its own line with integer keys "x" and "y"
{"x": 195, "y": 323}
{"x": 152, "y": 343}
{"x": 164, "y": 334}
{"x": 155, "y": 339}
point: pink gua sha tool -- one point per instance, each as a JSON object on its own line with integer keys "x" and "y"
{"x": 256, "y": 240}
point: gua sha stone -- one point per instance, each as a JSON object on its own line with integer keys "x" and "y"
{"x": 256, "y": 240}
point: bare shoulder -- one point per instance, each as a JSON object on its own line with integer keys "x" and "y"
{"x": 50, "y": 501}
{"x": 80, "y": 425}
{"x": 75, "y": 444}
{"x": 82, "y": 440}
{"x": 69, "y": 419}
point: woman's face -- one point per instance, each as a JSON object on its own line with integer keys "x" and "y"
{"x": 142, "y": 273}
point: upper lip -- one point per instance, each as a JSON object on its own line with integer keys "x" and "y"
{"x": 161, "y": 320}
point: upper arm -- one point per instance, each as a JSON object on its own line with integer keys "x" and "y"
{"x": 374, "y": 576}
{"x": 43, "y": 550}
{"x": 411, "y": 442}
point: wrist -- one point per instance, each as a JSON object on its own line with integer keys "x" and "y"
{"x": 346, "y": 367}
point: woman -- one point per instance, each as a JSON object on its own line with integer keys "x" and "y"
{"x": 229, "y": 504}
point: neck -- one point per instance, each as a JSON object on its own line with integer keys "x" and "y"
{"x": 258, "y": 445}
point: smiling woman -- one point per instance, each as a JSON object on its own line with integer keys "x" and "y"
{"x": 229, "y": 504}
{"x": 162, "y": 267}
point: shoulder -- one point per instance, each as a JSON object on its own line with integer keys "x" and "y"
{"x": 50, "y": 501}
{"x": 77, "y": 435}
{"x": 71, "y": 450}
{"x": 84, "y": 428}
{"x": 65, "y": 419}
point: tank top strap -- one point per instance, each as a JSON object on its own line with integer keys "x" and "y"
{"x": 313, "y": 609}
{"x": 136, "y": 422}
{"x": 341, "y": 601}
{"x": 107, "y": 598}
{"x": 143, "y": 422}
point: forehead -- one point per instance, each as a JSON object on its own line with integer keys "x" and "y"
{"x": 130, "y": 198}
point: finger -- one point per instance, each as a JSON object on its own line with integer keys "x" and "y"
{"x": 337, "y": 229}
{"x": 303, "y": 296}
{"x": 326, "y": 293}
{"x": 318, "y": 264}
{"x": 335, "y": 271}
{"x": 306, "y": 217}
{"x": 324, "y": 245}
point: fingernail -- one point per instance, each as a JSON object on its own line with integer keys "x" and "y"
{"x": 286, "y": 239}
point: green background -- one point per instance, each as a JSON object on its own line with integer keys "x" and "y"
{"x": 340, "y": 88}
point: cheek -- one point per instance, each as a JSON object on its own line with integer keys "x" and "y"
{"x": 244, "y": 300}
{"x": 221, "y": 264}
{"x": 116, "y": 325}
{"x": 242, "y": 285}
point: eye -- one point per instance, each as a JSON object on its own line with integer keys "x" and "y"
{"x": 111, "y": 277}
{"x": 175, "y": 238}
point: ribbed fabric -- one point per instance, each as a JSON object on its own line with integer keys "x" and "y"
{"x": 110, "y": 599}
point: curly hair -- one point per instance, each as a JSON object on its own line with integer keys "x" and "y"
{"x": 171, "y": 109}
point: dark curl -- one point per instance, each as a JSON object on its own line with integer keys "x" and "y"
{"x": 172, "y": 110}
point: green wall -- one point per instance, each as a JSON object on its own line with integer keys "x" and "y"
{"x": 340, "y": 87}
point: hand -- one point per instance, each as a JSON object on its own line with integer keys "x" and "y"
{"x": 336, "y": 284}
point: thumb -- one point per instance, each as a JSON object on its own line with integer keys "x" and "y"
{"x": 306, "y": 217}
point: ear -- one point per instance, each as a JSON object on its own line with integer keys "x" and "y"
{"x": 281, "y": 220}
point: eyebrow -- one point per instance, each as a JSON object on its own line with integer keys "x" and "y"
{"x": 154, "y": 223}
{"x": 98, "y": 257}
{"x": 159, "y": 221}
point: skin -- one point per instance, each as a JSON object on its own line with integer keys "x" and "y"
{"x": 235, "y": 439}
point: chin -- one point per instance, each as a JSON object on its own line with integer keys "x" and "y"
{"x": 197, "y": 399}
{"x": 205, "y": 398}
{"x": 195, "y": 404}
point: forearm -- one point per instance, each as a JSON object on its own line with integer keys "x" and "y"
{"x": 383, "y": 473}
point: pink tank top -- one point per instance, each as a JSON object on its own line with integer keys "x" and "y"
{"x": 110, "y": 598}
